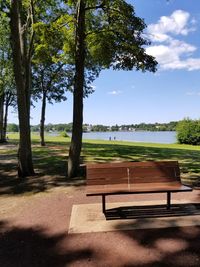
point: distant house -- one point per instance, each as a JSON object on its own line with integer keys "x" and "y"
{"x": 131, "y": 129}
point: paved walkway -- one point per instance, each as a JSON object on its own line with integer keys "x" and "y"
{"x": 34, "y": 232}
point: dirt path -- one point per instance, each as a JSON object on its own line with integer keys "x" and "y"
{"x": 34, "y": 232}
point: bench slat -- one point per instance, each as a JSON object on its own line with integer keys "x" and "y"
{"x": 152, "y": 171}
{"x": 122, "y": 180}
{"x": 133, "y": 163}
{"x": 107, "y": 172}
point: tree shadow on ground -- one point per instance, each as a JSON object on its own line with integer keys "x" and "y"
{"x": 50, "y": 164}
{"x": 189, "y": 159}
{"x": 27, "y": 247}
{"x": 33, "y": 247}
{"x": 166, "y": 247}
{"x": 176, "y": 246}
{"x": 152, "y": 211}
{"x": 35, "y": 184}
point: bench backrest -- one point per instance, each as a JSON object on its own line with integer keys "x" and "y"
{"x": 133, "y": 172}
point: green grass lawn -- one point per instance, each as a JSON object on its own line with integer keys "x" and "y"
{"x": 51, "y": 161}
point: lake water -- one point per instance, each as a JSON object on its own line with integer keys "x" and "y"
{"x": 163, "y": 137}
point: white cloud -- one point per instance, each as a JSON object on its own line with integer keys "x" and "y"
{"x": 169, "y": 57}
{"x": 193, "y": 93}
{"x": 177, "y": 23}
{"x": 170, "y": 52}
{"x": 115, "y": 92}
{"x": 189, "y": 64}
{"x": 190, "y": 93}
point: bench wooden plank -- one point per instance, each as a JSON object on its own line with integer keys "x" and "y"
{"x": 152, "y": 172}
{"x": 109, "y": 175}
{"x": 133, "y": 163}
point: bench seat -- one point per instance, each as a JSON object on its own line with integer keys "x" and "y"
{"x": 115, "y": 189}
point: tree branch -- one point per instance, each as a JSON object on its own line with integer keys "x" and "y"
{"x": 101, "y": 31}
{"x": 102, "y": 5}
{"x": 67, "y": 23}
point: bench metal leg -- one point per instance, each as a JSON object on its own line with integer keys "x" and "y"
{"x": 168, "y": 200}
{"x": 104, "y": 204}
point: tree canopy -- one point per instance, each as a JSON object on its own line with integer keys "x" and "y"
{"x": 7, "y": 83}
{"x": 108, "y": 34}
{"x": 75, "y": 40}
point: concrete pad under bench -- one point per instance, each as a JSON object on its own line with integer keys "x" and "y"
{"x": 88, "y": 218}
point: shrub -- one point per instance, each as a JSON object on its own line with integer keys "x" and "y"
{"x": 188, "y": 132}
{"x": 64, "y": 134}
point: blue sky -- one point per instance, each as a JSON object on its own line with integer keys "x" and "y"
{"x": 170, "y": 94}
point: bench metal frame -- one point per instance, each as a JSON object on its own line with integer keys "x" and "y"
{"x": 168, "y": 204}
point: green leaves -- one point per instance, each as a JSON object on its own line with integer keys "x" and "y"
{"x": 114, "y": 37}
{"x": 188, "y": 132}
{"x": 6, "y": 66}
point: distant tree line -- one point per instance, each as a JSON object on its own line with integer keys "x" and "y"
{"x": 171, "y": 126}
{"x": 53, "y": 127}
{"x": 62, "y": 127}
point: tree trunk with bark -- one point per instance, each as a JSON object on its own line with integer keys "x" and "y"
{"x": 76, "y": 140}
{"x": 22, "y": 72}
{"x": 2, "y": 139}
{"x": 42, "y": 121}
{"x": 5, "y": 120}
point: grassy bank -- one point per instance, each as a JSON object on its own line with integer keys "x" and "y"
{"x": 50, "y": 161}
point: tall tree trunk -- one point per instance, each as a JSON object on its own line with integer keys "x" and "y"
{"x": 76, "y": 140}
{"x": 42, "y": 121}
{"x": 22, "y": 78}
{"x": 1, "y": 117}
{"x": 5, "y": 117}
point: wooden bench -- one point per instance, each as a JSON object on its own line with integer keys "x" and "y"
{"x": 134, "y": 178}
